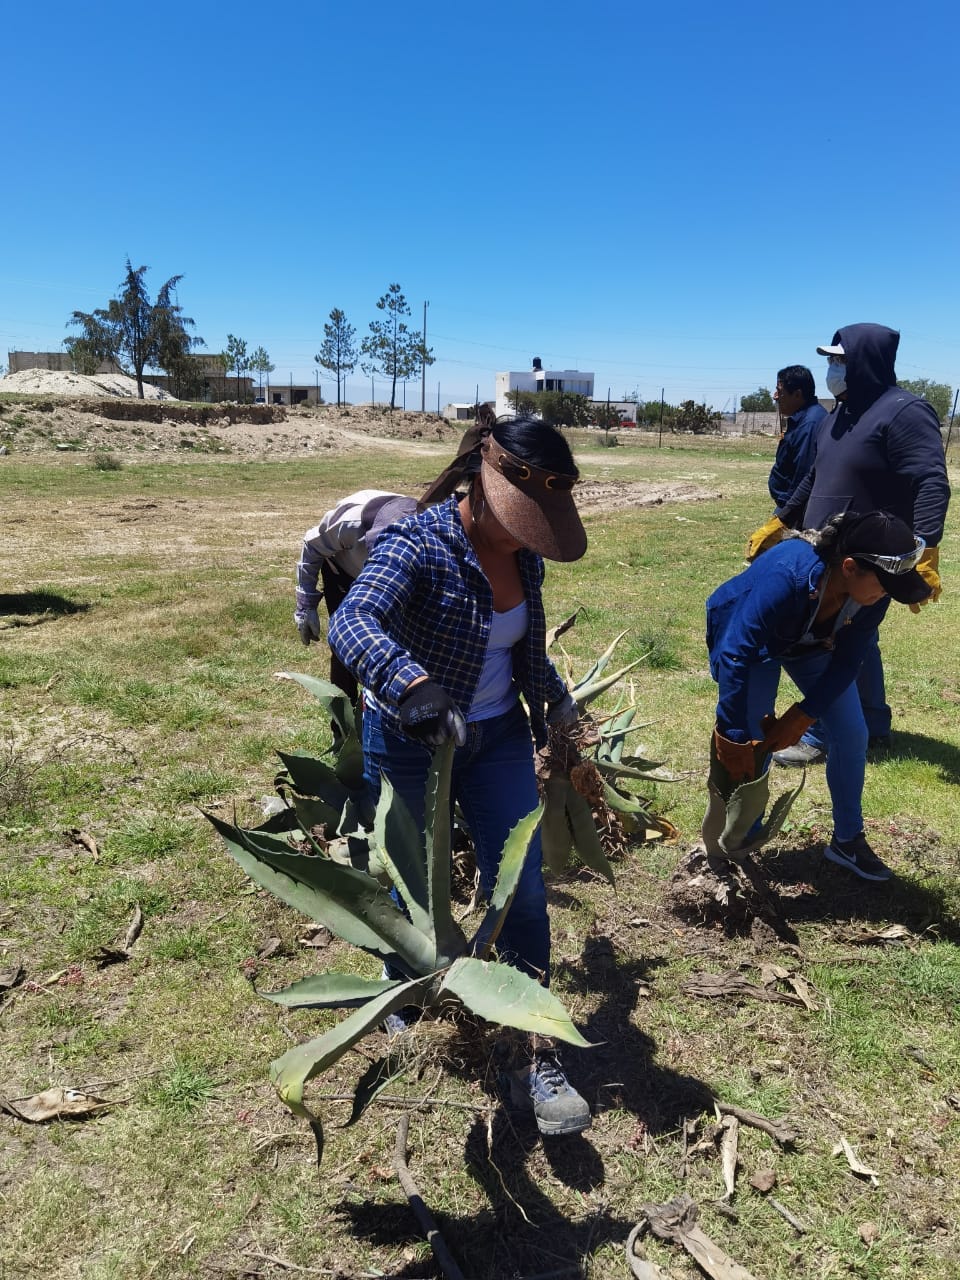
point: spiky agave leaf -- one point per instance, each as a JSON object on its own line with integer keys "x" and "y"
{"x": 585, "y": 694}
{"x": 556, "y": 838}
{"x": 350, "y": 903}
{"x": 399, "y": 847}
{"x": 500, "y": 993}
{"x": 599, "y": 666}
{"x": 330, "y": 991}
{"x": 448, "y": 935}
{"x": 333, "y": 700}
{"x": 586, "y": 837}
{"x": 514, "y": 855}
{"x": 374, "y": 1080}
{"x": 291, "y": 1072}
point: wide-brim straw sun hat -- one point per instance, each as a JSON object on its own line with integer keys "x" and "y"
{"x": 534, "y": 505}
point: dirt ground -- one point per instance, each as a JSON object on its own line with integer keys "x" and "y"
{"x": 74, "y": 425}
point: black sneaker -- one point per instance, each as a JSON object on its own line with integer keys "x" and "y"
{"x": 542, "y": 1086}
{"x": 857, "y": 856}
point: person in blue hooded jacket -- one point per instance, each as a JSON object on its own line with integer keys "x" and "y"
{"x": 880, "y": 450}
{"x": 810, "y": 607}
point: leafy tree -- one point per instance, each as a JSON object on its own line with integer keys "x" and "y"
{"x": 759, "y": 401}
{"x": 131, "y": 328}
{"x": 649, "y": 414}
{"x": 82, "y": 355}
{"x": 339, "y": 351}
{"x": 936, "y": 393}
{"x": 260, "y": 363}
{"x": 605, "y": 415}
{"x": 238, "y": 359}
{"x": 559, "y": 408}
{"x": 392, "y": 349}
{"x": 696, "y": 418}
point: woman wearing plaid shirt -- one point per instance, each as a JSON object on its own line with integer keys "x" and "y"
{"x": 444, "y": 628}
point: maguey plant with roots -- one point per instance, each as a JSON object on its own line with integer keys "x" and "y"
{"x": 444, "y": 970}
{"x": 582, "y": 770}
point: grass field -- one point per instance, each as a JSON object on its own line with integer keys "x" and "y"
{"x": 143, "y": 613}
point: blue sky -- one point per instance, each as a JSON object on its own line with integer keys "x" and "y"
{"x": 685, "y": 196}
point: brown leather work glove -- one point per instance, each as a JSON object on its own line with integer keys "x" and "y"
{"x": 786, "y": 730}
{"x": 738, "y": 758}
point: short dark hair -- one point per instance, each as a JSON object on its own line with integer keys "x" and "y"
{"x": 797, "y": 377}
{"x": 536, "y": 442}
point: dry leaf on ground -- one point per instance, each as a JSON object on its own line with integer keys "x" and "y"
{"x": 55, "y": 1103}
{"x": 843, "y": 1147}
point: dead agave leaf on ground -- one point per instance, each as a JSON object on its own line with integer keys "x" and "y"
{"x": 269, "y": 947}
{"x": 714, "y": 986}
{"x": 315, "y": 935}
{"x": 729, "y": 1142}
{"x": 10, "y": 978}
{"x": 676, "y": 1222}
{"x": 135, "y": 929}
{"x": 56, "y": 1103}
{"x": 877, "y": 937}
{"x": 843, "y": 1147}
{"x": 85, "y": 839}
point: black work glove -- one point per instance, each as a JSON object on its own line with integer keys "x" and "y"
{"x": 429, "y": 714}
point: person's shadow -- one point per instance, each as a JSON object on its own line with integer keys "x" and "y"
{"x": 944, "y": 756}
{"x": 32, "y": 608}
{"x": 521, "y": 1229}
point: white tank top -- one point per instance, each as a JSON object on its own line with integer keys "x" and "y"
{"x": 496, "y": 692}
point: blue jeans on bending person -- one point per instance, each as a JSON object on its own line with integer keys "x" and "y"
{"x": 494, "y": 782}
{"x": 873, "y": 699}
{"x": 842, "y": 724}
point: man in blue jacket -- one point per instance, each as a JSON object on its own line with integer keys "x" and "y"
{"x": 880, "y": 449}
{"x": 796, "y": 397}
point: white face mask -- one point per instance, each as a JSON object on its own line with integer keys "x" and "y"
{"x": 836, "y": 379}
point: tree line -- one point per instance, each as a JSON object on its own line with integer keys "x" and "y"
{"x": 937, "y": 394}
{"x": 137, "y": 333}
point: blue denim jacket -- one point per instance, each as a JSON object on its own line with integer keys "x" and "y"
{"x": 422, "y": 605}
{"x": 795, "y": 453}
{"x": 762, "y": 613}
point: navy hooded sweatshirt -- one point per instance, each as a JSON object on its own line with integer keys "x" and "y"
{"x": 880, "y": 449}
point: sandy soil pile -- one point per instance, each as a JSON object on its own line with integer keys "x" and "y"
{"x": 52, "y": 382}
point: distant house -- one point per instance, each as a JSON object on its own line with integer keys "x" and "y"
{"x": 57, "y": 361}
{"x": 539, "y": 379}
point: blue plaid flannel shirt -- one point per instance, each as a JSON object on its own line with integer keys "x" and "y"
{"x": 422, "y": 606}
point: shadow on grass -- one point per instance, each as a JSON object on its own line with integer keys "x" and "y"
{"x": 31, "y": 608}
{"x": 521, "y": 1230}
{"x": 814, "y": 891}
{"x": 918, "y": 746}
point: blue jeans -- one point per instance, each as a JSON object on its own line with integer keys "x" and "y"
{"x": 873, "y": 698}
{"x": 843, "y": 725}
{"x": 494, "y": 782}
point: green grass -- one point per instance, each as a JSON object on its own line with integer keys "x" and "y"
{"x": 137, "y": 661}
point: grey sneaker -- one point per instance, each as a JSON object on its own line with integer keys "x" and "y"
{"x": 800, "y": 755}
{"x": 857, "y": 856}
{"x": 542, "y": 1086}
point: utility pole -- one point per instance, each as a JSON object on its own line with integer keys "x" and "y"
{"x": 660, "y": 437}
{"x": 423, "y": 363}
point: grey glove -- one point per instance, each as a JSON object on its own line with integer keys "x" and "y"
{"x": 308, "y": 624}
{"x": 563, "y": 711}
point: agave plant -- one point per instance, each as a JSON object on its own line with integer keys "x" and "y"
{"x": 444, "y": 970}
{"x": 587, "y": 810}
{"x": 733, "y": 825}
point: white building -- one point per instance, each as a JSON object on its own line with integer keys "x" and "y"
{"x": 539, "y": 379}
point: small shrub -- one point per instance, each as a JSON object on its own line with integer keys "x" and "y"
{"x": 107, "y": 462}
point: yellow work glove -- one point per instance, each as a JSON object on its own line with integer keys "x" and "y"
{"x": 767, "y": 536}
{"x": 928, "y": 569}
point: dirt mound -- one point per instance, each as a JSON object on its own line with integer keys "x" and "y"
{"x": 52, "y": 382}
